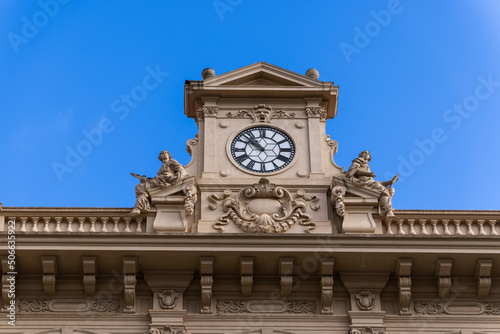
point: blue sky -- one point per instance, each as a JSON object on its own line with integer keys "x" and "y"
{"x": 419, "y": 87}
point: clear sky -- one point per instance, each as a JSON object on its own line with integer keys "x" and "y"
{"x": 419, "y": 87}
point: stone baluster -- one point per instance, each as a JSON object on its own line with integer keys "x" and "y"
{"x": 70, "y": 224}
{"x": 388, "y": 224}
{"x": 104, "y": 221}
{"x": 139, "y": 224}
{"x": 458, "y": 231}
{"x": 23, "y": 224}
{"x": 434, "y": 223}
{"x": 46, "y": 221}
{"x": 92, "y": 223}
{"x": 34, "y": 220}
{"x": 470, "y": 231}
{"x": 400, "y": 226}
{"x": 423, "y": 223}
{"x": 411, "y": 222}
{"x": 58, "y": 224}
{"x": 127, "y": 223}
{"x": 493, "y": 228}
{"x": 446, "y": 229}
{"x": 81, "y": 220}
{"x": 116, "y": 220}
{"x": 480, "y": 223}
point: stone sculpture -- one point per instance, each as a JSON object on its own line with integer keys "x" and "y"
{"x": 360, "y": 173}
{"x": 171, "y": 172}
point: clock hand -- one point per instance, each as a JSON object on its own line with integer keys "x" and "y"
{"x": 256, "y": 143}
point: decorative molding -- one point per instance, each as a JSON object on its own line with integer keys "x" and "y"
{"x": 5, "y": 282}
{"x": 69, "y": 305}
{"x": 206, "y": 280}
{"x": 129, "y": 283}
{"x": 265, "y": 306}
{"x": 365, "y": 300}
{"x": 483, "y": 277}
{"x": 247, "y": 217}
{"x": 167, "y": 330}
{"x": 404, "y": 286}
{"x": 168, "y": 299}
{"x": 337, "y": 200}
{"x": 246, "y": 272}
{"x": 443, "y": 272}
{"x": 334, "y": 145}
{"x": 326, "y": 270}
{"x": 89, "y": 274}
{"x": 49, "y": 267}
{"x": 207, "y": 111}
{"x": 316, "y": 112}
{"x": 261, "y": 113}
{"x": 286, "y": 272}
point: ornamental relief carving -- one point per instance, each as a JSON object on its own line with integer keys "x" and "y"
{"x": 316, "y": 112}
{"x": 168, "y": 299}
{"x": 367, "y": 330}
{"x": 264, "y": 207}
{"x": 207, "y": 111}
{"x": 265, "y": 306}
{"x": 167, "y": 330}
{"x": 365, "y": 300}
{"x": 69, "y": 305}
{"x": 261, "y": 113}
{"x": 457, "y": 308}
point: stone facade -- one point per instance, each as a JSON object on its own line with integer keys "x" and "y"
{"x": 262, "y": 232}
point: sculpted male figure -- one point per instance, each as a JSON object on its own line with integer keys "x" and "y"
{"x": 170, "y": 172}
{"x": 360, "y": 173}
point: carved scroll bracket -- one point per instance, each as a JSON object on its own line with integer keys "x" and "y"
{"x": 286, "y": 273}
{"x": 404, "y": 285}
{"x": 326, "y": 270}
{"x": 337, "y": 200}
{"x": 483, "y": 277}
{"x": 246, "y": 272}
{"x": 49, "y": 267}
{"x": 89, "y": 274}
{"x": 443, "y": 273}
{"x": 129, "y": 283}
{"x": 206, "y": 280}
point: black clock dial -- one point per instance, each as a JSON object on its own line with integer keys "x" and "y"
{"x": 262, "y": 149}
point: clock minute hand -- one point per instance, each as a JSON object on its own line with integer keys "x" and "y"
{"x": 256, "y": 143}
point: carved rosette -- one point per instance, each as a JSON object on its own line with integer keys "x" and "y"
{"x": 365, "y": 300}
{"x": 281, "y": 212}
{"x": 168, "y": 299}
{"x": 316, "y": 112}
{"x": 167, "y": 330}
{"x": 261, "y": 113}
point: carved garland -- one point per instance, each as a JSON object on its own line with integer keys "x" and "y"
{"x": 245, "y": 215}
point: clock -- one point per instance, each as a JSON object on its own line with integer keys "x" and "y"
{"x": 262, "y": 149}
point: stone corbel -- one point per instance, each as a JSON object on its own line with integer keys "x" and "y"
{"x": 404, "y": 285}
{"x": 5, "y": 282}
{"x": 206, "y": 271}
{"x": 483, "y": 277}
{"x": 443, "y": 273}
{"x": 286, "y": 271}
{"x": 326, "y": 270}
{"x": 129, "y": 283}
{"x": 49, "y": 268}
{"x": 89, "y": 274}
{"x": 246, "y": 272}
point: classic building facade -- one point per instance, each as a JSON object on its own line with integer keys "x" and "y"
{"x": 262, "y": 232}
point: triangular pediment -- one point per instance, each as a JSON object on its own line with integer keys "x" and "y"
{"x": 262, "y": 74}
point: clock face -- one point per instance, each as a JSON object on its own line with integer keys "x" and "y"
{"x": 262, "y": 149}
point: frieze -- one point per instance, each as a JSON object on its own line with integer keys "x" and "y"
{"x": 457, "y": 308}
{"x": 245, "y": 210}
{"x": 265, "y": 306}
{"x": 261, "y": 113}
{"x": 69, "y": 305}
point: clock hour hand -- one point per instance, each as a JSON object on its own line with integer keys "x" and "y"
{"x": 255, "y": 143}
